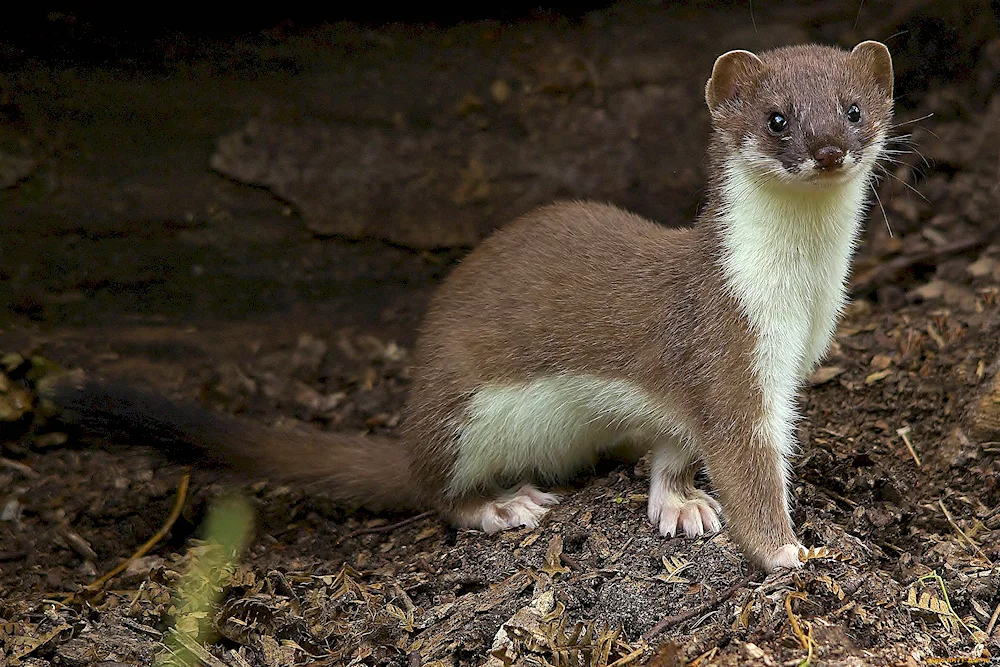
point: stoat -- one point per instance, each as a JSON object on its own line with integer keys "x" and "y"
{"x": 582, "y": 328}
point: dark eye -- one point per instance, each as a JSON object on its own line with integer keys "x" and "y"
{"x": 854, "y": 113}
{"x": 777, "y": 123}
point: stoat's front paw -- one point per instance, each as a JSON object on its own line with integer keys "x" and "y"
{"x": 786, "y": 557}
{"x": 695, "y": 514}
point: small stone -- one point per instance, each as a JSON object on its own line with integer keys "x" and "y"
{"x": 983, "y": 266}
{"x": 41, "y": 367}
{"x": 11, "y": 510}
{"x": 500, "y": 90}
{"x": 11, "y": 361}
{"x": 468, "y": 104}
{"x": 309, "y": 353}
{"x": 754, "y": 652}
{"x": 14, "y": 404}
{"x": 930, "y": 291}
{"x": 306, "y": 396}
{"x": 54, "y": 439}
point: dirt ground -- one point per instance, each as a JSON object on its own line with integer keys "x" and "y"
{"x": 139, "y": 242}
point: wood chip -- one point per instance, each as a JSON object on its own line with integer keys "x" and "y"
{"x": 875, "y": 377}
{"x": 880, "y": 362}
{"x": 824, "y": 374}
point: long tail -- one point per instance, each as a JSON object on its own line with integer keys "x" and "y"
{"x": 368, "y": 471}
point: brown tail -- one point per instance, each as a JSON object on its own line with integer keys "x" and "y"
{"x": 368, "y": 471}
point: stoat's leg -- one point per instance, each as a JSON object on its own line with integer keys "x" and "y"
{"x": 674, "y": 504}
{"x": 521, "y": 507}
{"x": 747, "y": 465}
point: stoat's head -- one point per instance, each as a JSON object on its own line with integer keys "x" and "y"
{"x": 810, "y": 115}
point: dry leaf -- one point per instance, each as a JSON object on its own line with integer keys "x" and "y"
{"x": 674, "y": 566}
{"x": 553, "y": 565}
{"x": 832, "y": 586}
{"x": 929, "y": 603}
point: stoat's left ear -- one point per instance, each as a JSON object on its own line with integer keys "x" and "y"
{"x": 874, "y": 59}
{"x": 732, "y": 74}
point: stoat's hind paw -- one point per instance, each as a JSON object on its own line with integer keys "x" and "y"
{"x": 695, "y": 513}
{"x": 523, "y": 507}
{"x": 536, "y": 496}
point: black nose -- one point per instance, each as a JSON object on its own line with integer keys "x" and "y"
{"x": 829, "y": 157}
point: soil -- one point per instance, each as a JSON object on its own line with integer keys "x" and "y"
{"x": 130, "y": 250}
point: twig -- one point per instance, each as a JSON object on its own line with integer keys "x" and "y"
{"x": 144, "y": 629}
{"x": 628, "y": 659}
{"x": 961, "y": 532}
{"x": 621, "y": 552}
{"x": 175, "y": 512}
{"x": 886, "y": 271}
{"x": 993, "y": 620}
{"x": 570, "y": 562}
{"x": 387, "y": 527}
{"x": 904, "y": 433}
{"x": 19, "y": 467}
{"x": 671, "y": 621}
{"x": 77, "y": 543}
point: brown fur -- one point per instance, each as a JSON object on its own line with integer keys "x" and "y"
{"x": 589, "y": 288}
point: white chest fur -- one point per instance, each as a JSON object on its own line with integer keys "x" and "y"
{"x": 786, "y": 256}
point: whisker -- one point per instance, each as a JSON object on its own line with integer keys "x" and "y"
{"x": 894, "y": 176}
{"x": 887, "y": 157}
{"x": 911, "y": 146}
{"x": 879, "y": 200}
{"x": 908, "y": 122}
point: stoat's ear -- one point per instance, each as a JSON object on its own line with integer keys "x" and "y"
{"x": 875, "y": 62}
{"x": 732, "y": 72}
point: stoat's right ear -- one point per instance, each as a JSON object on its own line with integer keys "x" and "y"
{"x": 732, "y": 72}
{"x": 874, "y": 59}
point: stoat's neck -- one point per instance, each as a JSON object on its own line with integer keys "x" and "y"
{"x": 785, "y": 247}
{"x": 785, "y": 254}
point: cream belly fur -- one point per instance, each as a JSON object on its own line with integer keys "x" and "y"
{"x": 553, "y": 427}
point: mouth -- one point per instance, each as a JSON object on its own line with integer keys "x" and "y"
{"x": 829, "y": 174}
{"x": 826, "y": 177}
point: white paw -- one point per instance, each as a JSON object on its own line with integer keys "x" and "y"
{"x": 536, "y": 496}
{"x": 523, "y": 507}
{"x": 695, "y": 515}
{"x": 786, "y": 557}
